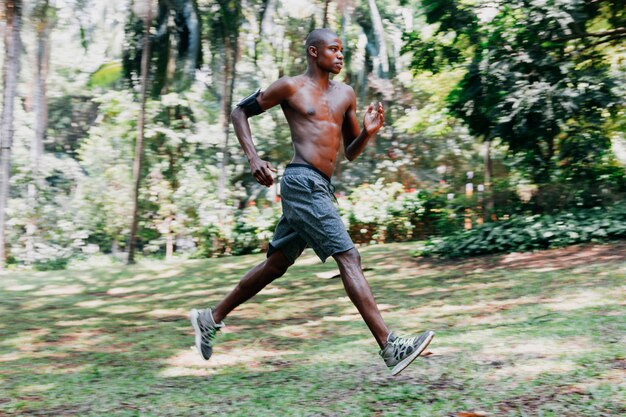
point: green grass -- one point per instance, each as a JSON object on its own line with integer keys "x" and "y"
{"x": 542, "y": 335}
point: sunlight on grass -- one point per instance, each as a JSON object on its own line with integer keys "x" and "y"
{"x": 134, "y": 278}
{"x": 126, "y": 290}
{"x": 91, "y": 303}
{"x": 531, "y": 368}
{"x": 477, "y": 286}
{"x": 544, "y": 346}
{"x": 170, "y": 273}
{"x": 11, "y": 356}
{"x": 20, "y": 287}
{"x": 189, "y": 362}
{"x": 121, "y": 309}
{"x": 309, "y": 258}
{"x": 584, "y": 299}
{"x": 78, "y": 323}
{"x": 59, "y": 290}
{"x": 28, "y": 389}
{"x": 25, "y": 341}
{"x": 167, "y": 313}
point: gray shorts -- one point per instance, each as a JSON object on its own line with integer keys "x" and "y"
{"x": 309, "y": 216}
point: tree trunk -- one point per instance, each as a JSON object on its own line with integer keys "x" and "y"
{"x": 11, "y": 69}
{"x": 379, "y": 33}
{"x": 169, "y": 240}
{"x": 228, "y": 86}
{"x": 325, "y": 18}
{"x": 489, "y": 206}
{"x": 145, "y": 61}
{"x": 41, "y": 96}
{"x": 44, "y": 25}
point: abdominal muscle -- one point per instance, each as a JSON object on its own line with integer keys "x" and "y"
{"x": 317, "y": 146}
{"x": 318, "y": 152}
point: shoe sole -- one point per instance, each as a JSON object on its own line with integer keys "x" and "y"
{"x": 407, "y": 361}
{"x": 193, "y": 317}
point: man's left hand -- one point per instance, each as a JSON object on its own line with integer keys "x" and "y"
{"x": 374, "y": 118}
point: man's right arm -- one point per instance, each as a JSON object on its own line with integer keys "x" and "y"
{"x": 275, "y": 94}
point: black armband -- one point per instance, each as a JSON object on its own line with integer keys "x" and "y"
{"x": 249, "y": 104}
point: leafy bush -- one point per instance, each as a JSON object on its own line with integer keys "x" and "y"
{"x": 246, "y": 231}
{"x": 526, "y": 233}
{"x": 386, "y": 212}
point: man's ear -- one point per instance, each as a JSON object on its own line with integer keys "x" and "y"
{"x": 312, "y": 51}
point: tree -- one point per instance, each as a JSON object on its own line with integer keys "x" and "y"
{"x": 43, "y": 17}
{"x": 179, "y": 17}
{"x": 224, "y": 24}
{"x": 146, "y": 14}
{"x": 535, "y": 77}
{"x": 10, "y": 74}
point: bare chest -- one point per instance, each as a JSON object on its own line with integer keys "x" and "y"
{"x": 317, "y": 105}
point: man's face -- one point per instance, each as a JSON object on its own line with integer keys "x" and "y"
{"x": 330, "y": 54}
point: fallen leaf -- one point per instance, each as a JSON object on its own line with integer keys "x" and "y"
{"x": 471, "y": 414}
{"x": 428, "y": 353}
{"x": 328, "y": 274}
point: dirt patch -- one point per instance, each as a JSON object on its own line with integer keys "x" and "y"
{"x": 544, "y": 261}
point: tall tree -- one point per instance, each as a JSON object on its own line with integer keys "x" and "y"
{"x": 536, "y": 77}
{"x": 10, "y": 74}
{"x": 43, "y": 18}
{"x": 224, "y": 27}
{"x": 146, "y": 13}
{"x": 177, "y": 54}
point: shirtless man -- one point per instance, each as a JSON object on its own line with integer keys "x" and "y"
{"x": 319, "y": 112}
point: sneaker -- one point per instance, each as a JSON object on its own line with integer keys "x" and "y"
{"x": 205, "y": 328}
{"x": 399, "y": 352}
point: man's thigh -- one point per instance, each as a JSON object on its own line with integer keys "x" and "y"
{"x": 287, "y": 241}
{"x": 309, "y": 210}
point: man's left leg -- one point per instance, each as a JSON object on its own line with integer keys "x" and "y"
{"x": 360, "y": 294}
{"x": 397, "y": 352}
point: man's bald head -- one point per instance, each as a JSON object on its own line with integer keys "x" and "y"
{"x": 318, "y": 36}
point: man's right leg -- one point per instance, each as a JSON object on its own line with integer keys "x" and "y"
{"x": 252, "y": 283}
{"x": 206, "y": 322}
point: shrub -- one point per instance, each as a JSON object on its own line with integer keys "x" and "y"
{"x": 385, "y": 212}
{"x": 526, "y": 233}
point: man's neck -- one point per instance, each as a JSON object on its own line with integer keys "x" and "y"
{"x": 318, "y": 76}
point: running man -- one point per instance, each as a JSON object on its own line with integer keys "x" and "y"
{"x": 319, "y": 112}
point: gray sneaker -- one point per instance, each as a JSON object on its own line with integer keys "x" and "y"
{"x": 205, "y": 328}
{"x": 399, "y": 352}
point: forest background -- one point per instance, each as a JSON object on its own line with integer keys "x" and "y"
{"x": 505, "y": 124}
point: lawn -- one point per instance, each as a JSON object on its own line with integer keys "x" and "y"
{"x": 539, "y": 334}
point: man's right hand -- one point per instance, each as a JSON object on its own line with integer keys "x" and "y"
{"x": 262, "y": 171}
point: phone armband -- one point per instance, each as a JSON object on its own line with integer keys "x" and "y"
{"x": 250, "y": 105}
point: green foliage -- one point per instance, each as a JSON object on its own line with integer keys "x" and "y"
{"x": 106, "y": 75}
{"x": 175, "y": 46}
{"x": 529, "y": 75}
{"x": 239, "y": 233}
{"x": 535, "y": 77}
{"x": 386, "y": 212}
{"x": 526, "y": 233}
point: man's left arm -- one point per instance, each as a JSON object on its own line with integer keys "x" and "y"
{"x": 354, "y": 138}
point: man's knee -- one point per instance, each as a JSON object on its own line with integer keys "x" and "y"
{"x": 277, "y": 264}
{"x": 349, "y": 257}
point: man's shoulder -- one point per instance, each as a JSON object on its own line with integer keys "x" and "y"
{"x": 289, "y": 81}
{"x": 344, "y": 88}
{"x": 344, "y": 91}
{"x": 280, "y": 89}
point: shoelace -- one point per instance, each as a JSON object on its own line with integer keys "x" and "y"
{"x": 401, "y": 345}
{"x": 208, "y": 332}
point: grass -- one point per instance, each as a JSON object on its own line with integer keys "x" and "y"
{"x": 516, "y": 335}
